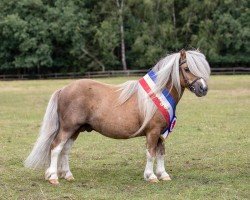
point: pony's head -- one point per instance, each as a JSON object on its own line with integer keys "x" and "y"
{"x": 185, "y": 69}
{"x": 191, "y": 77}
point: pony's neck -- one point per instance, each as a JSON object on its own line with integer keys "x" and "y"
{"x": 174, "y": 92}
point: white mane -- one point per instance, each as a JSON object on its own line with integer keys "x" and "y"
{"x": 165, "y": 68}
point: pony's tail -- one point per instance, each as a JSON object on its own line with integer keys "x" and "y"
{"x": 40, "y": 155}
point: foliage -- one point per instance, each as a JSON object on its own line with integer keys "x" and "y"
{"x": 79, "y": 35}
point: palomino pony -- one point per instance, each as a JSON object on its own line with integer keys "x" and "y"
{"x": 121, "y": 112}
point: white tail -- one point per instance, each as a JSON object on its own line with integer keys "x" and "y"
{"x": 40, "y": 154}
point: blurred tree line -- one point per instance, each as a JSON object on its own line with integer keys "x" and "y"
{"x": 42, "y": 36}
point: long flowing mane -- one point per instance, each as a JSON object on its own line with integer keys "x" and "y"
{"x": 166, "y": 68}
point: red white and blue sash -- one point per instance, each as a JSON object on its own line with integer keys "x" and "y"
{"x": 163, "y": 101}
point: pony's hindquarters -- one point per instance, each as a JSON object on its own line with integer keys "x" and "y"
{"x": 40, "y": 155}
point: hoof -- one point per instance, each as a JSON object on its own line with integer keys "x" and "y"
{"x": 47, "y": 175}
{"x": 70, "y": 178}
{"x": 166, "y": 178}
{"x": 155, "y": 180}
{"x": 54, "y": 182}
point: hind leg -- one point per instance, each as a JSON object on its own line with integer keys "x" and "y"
{"x": 56, "y": 148}
{"x": 63, "y": 166}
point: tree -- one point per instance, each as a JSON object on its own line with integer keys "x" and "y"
{"x": 42, "y": 36}
{"x": 120, "y": 6}
{"x": 24, "y": 35}
{"x": 218, "y": 29}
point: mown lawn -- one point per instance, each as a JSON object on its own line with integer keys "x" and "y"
{"x": 207, "y": 154}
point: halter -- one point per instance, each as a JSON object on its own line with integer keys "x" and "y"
{"x": 190, "y": 85}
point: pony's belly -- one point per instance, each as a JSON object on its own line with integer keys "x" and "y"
{"x": 118, "y": 127}
{"x": 111, "y": 119}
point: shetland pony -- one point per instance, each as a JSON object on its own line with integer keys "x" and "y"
{"x": 121, "y": 112}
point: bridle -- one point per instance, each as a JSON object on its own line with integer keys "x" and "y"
{"x": 189, "y": 85}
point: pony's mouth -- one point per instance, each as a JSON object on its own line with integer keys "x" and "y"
{"x": 200, "y": 88}
{"x": 200, "y": 94}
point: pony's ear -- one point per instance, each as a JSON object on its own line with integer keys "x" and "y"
{"x": 183, "y": 54}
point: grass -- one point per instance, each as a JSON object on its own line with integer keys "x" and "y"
{"x": 207, "y": 154}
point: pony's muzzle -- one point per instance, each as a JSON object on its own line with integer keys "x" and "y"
{"x": 200, "y": 87}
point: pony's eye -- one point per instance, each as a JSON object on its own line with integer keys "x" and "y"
{"x": 186, "y": 69}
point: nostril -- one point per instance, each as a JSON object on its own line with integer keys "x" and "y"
{"x": 203, "y": 88}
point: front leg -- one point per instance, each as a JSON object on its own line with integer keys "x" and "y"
{"x": 160, "y": 167}
{"x": 152, "y": 138}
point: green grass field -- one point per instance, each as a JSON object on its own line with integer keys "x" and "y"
{"x": 207, "y": 154}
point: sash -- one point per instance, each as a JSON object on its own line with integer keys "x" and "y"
{"x": 163, "y": 101}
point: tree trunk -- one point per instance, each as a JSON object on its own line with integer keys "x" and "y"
{"x": 123, "y": 52}
{"x": 174, "y": 22}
